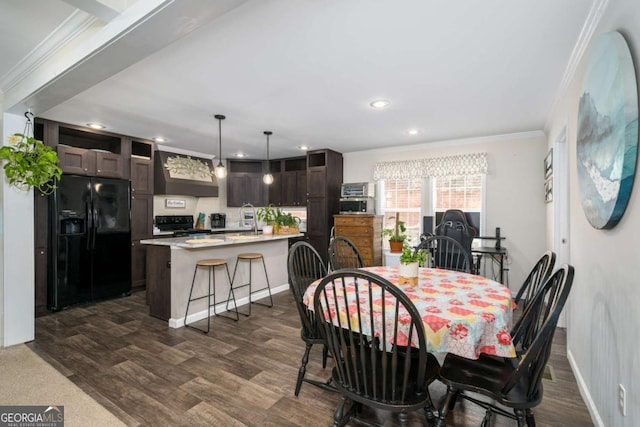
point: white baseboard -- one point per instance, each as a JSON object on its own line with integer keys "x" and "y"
{"x": 584, "y": 391}
{"x": 179, "y": 322}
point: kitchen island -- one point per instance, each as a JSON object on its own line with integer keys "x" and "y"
{"x": 171, "y": 262}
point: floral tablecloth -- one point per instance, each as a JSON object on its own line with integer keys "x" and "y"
{"x": 462, "y": 313}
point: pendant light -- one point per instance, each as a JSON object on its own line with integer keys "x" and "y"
{"x": 220, "y": 170}
{"x": 268, "y": 178}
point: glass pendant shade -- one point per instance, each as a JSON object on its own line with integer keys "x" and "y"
{"x": 220, "y": 171}
{"x": 267, "y": 177}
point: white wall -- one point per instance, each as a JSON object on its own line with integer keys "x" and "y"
{"x": 603, "y": 315}
{"x": 17, "y": 279}
{"x": 515, "y": 199}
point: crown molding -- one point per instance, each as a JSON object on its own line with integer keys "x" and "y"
{"x": 70, "y": 28}
{"x": 598, "y": 7}
{"x": 454, "y": 142}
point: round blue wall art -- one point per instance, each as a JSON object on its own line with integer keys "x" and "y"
{"x": 607, "y": 134}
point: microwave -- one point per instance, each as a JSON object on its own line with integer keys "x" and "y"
{"x": 356, "y": 205}
{"x": 358, "y": 189}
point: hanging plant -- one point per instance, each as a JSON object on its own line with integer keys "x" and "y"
{"x": 30, "y": 163}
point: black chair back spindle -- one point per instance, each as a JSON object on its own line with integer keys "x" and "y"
{"x": 446, "y": 253}
{"x": 378, "y": 343}
{"x": 343, "y": 254}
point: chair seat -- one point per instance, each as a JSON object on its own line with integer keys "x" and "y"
{"x": 487, "y": 375}
{"x": 211, "y": 262}
{"x": 250, "y": 255}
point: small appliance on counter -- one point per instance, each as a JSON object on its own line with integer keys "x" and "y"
{"x": 358, "y": 198}
{"x": 180, "y": 225}
{"x": 218, "y": 220}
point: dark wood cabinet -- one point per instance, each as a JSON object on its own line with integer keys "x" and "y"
{"x": 142, "y": 153}
{"x": 289, "y": 187}
{"x": 276, "y": 187}
{"x": 159, "y": 281}
{"x": 244, "y": 183}
{"x": 79, "y": 161}
{"x": 324, "y": 177}
{"x": 40, "y": 264}
{"x": 141, "y": 216}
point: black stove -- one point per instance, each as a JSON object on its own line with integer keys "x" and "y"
{"x": 181, "y": 225}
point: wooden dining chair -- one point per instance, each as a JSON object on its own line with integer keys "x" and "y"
{"x": 343, "y": 254}
{"x": 304, "y": 267}
{"x": 378, "y": 342}
{"x": 446, "y": 253}
{"x": 513, "y": 383}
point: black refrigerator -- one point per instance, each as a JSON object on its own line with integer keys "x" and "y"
{"x": 90, "y": 240}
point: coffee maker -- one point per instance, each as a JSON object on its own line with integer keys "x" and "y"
{"x": 218, "y": 220}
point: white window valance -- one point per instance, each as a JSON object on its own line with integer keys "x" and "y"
{"x": 464, "y": 164}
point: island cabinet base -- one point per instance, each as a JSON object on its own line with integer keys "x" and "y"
{"x": 170, "y": 271}
{"x": 159, "y": 281}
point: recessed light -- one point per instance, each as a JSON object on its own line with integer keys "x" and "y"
{"x": 96, "y": 126}
{"x": 303, "y": 147}
{"x": 159, "y": 139}
{"x": 413, "y": 131}
{"x": 379, "y": 103}
{"x": 241, "y": 155}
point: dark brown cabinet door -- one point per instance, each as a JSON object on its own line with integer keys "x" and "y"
{"x": 138, "y": 265}
{"x": 40, "y": 264}
{"x": 141, "y": 176}
{"x": 317, "y": 181}
{"x": 141, "y": 216}
{"x": 109, "y": 165}
{"x": 276, "y": 190}
{"x": 289, "y": 188}
{"x": 78, "y": 161}
{"x": 245, "y": 188}
{"x": 301, "y": 189}
{"x": 159, "y": 281}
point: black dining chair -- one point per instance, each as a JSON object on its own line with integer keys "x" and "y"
{"x": 446, "y": 253}
{"x": 385, "y": 367}
{"x": 536, "y": 277}
{"x": 304, "y": 267}
{"x": 343, "y": 254}
{"x": 514, "y": 383}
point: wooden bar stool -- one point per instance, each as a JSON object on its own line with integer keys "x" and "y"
{"x": 211, "y": 265}
{"x": 250, "y": 256}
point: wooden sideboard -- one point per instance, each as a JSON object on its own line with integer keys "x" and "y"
{"x": 365, "y": 231}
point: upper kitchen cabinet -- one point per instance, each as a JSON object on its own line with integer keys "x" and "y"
{"x": 294, "y": 182}
{"x": 244, "y": 183}
{"x": 141, "y": 167}
{"x": 275, "y": 188}
{"x": 88, "y": 152}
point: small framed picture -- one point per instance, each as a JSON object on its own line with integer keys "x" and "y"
{"x": 175, "y": 203}
{"x": 548, "y": 164}
{"x": 548, "y": 190}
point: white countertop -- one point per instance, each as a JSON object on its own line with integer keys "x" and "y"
{"x": 211, "y": 240}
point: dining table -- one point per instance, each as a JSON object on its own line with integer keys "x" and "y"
{"x": 462, "y": 313}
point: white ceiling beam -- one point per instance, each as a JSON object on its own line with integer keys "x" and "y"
{"x": 96, "y": 8}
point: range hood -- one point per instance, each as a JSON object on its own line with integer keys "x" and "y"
{"x": 184, "y": 175}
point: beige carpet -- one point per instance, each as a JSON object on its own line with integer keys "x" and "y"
{"x": 27, "y": 379}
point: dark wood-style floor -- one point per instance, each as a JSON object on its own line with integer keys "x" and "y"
{"x": 241, "y": 373}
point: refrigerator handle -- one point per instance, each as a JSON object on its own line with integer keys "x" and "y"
{"x": 89, "y": 227}
{"x": 94, "y": 219}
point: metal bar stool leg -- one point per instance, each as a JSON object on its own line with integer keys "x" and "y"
{"x": 232, "y": 286}
{"x": 231, "y": 295}
{"x": 268, "y": 285}
{"x": 208, "y": 296}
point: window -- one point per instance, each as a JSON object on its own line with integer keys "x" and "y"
{"x": 403, "y": 197}
{"x": 464, "y": 192}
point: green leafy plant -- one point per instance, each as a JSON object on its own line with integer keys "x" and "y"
{"x": 30, "y": 163}
{"x": 285, "y": 219}
{"x": 410, "y": 255}
{"x": 267, "y": 215}
{"x": 397, "y": 233}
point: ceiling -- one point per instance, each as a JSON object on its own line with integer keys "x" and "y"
{"x": 308, "y": 69}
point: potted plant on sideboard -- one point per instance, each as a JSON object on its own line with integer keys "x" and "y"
{"x": 396, "y": 235}
{"x": 410, "y": 260}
